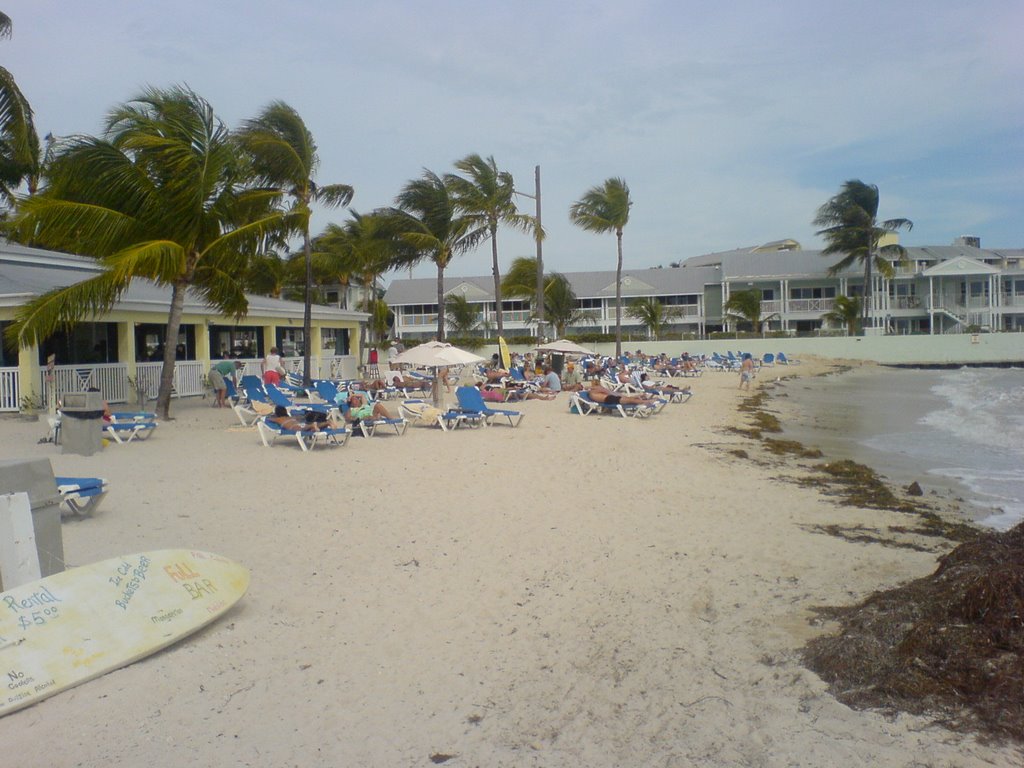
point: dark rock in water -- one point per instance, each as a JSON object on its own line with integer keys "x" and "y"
{"x": 914, "y": 489}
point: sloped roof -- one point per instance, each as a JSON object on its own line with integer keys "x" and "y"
{"x": 586, "y": 285}
{"x": 961, "y": 265}
{"x": 29, "y": 272}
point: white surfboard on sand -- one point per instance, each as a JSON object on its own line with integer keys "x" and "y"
{"x": 71, "y": 627}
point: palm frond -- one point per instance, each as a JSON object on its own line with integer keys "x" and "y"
{"x": 42, "y": 316}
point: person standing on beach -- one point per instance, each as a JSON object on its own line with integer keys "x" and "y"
{"x": 272, "y": 368}
{"x": 219, "y": 373}
{"x": 746, "y": 371}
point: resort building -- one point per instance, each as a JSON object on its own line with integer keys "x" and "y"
{"x": 123, "y": 349}
{"x": 936, "y": 289}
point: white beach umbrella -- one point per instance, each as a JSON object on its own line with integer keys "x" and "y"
{"x": 565, "y": 347}
{"x": 436, "y": 354}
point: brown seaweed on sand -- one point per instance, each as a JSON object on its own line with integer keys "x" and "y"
{"x": 950, "y": 644}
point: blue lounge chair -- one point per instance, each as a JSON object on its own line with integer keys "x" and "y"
{"x": 80, "y": 495}
{"x": 581, "y": 403}
{"x": 369, "y": 426}
{"x": 471, "y": 401}
{"x": 422, "y": 412}
{"x": 269, "y": 432}
{"x": 783, "y": 360}
{"x": 768, "y": 359}
{"x": 124, "y": 432}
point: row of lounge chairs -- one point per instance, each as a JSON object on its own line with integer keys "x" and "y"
{"x": 256, "y": 401}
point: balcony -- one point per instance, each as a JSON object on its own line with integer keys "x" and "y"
{"x": 810, "y": 305}
{"x": 410, "y": 320}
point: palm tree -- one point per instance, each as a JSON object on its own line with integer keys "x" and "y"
{"x": 461, "y": 316}
{"x": 428, "y": 222}
{"x": 851, "y": 228}
{"x": 653, "y": 315}
{"x": 285, "y": 156}
{"x": 846, "y": 311}
{"x": 361, "y": 249}
{"x": 161, "y": 197}
{"x": 746, "y": 305}
{"x": 485, "y": 195}
{"x": 19, "y": 144}
{"x": 605, "y": 208}
{"x": 561, "y": 307}
{"x": 560, "y": 304}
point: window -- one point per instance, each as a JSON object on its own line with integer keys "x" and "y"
{"x": 674, "y": 301}
{"x": 821, "y": 292}
{"x": 902, "y": 289}
{"x": 589, "y": 303}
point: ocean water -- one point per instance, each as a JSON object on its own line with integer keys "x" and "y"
{"x": 956, "y": 432}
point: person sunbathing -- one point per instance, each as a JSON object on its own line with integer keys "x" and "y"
{"x": 601, "y": 394}
{"x": 360, "y": 409}
{"x": 512, "y": 394}
{"x": 311, "y": 423}
{"x": 653, "y": 386}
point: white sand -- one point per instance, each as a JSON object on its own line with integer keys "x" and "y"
{"x": 580, "y": 591}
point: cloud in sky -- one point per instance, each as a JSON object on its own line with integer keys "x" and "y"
{"x": 731, "y": 124}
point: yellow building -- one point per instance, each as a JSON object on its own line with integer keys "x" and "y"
{"x": 124, "y": 347}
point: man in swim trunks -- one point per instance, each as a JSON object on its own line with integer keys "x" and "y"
{"x": 601, "y": 394}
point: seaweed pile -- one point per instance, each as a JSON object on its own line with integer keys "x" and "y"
{"x": 950, "y": 645}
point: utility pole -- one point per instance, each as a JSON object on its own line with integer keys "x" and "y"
{"x": 539, "y": 300}
{"x": 540, "y": 260}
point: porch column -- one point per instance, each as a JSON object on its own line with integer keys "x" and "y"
{"x": 203, "y": 343}
{"x": 269, "y": 338}
{"x": 931, "y": 308}
{"x": 126, "y": 346}
{"x": 784, "y": 305}
{"x": 29, "y": 374}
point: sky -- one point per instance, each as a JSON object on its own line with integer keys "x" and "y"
{"x": 730, "y": 122}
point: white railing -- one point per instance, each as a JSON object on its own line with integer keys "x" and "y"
{"x": 189, "y": 379}
{"x": 110, "y": 378}
{"x": 1013, "y": 301}
{"x": 770, "y": 307}
{"x": 10, "y": 389}
{"x": 904, "y": 302}
{"x": 429, "y": 319}
{"x": 810, "y": 305}
{"x": 516, "y": 316}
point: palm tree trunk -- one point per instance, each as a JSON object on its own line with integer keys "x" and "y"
{"x": 440, "y": 301}
{"x": 497, "y": 276}
{"x": 307, "y": 310}
{"x": 618, "y": 297}
{"x": 163, "y": 398}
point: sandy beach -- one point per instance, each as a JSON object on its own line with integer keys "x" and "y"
{"x": 579, "y": 591}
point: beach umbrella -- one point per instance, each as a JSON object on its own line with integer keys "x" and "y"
{"x": 436, "y": 354}
{"x": 565, "y": 347}
{"x": 504, "y": 354}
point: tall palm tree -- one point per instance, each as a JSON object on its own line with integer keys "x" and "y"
{"x": 605, "y": 208}
{"x": 851, "y": 228}
{"x": 360, "y": 250}
{"x": 428, "y": 221}
{"x": 486, "y": 196}
{"x": 160, "y": 196}
{"x": 846, "y": 311}
{"x": 653, "y": 315}
{"x": 19, "y": 144}
{"x": 285, "y": 156}
{"x": 746, "y": 305}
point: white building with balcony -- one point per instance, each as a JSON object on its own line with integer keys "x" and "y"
{"x": 936, "y": 289}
